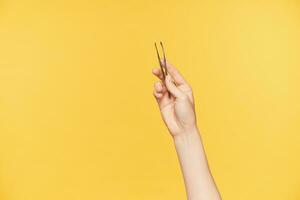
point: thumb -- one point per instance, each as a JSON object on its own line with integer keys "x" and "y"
{"x": 176, "y": 92}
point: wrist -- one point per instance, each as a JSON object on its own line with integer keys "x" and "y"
{"x": 187, "y": 138}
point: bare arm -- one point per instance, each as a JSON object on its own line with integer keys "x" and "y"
{"x": 178, "y": 113}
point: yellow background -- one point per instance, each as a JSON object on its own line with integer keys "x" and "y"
{"x": 77, "y": 115}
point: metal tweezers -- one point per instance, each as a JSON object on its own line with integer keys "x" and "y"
{"x": 163, "y": 66}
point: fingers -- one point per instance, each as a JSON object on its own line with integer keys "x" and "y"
{"x": 158, "y": 86}
{"x": 176, "y": 92}
{"x": 157, "y": 95}
{"x": 178, "y": 78}
{"x": 157, "y": 72}
{"x": 159, "y": 90}
{"x": 161, "y": 95}
{"x": 175, "y": 84}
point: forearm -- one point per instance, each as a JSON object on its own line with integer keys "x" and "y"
{"x": 198, "y": 180}
{"x": 176, "y": 102}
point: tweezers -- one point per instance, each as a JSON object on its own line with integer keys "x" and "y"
{"x": 163, "y": 67}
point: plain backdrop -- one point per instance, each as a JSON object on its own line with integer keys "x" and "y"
{"x": 78, "y": 120}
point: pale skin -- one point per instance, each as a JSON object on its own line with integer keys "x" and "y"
{"x": 178, "y": 114}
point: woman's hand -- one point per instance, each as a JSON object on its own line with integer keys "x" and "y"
{"x": 177, "y": 110}
{"x": 178, "y": 113}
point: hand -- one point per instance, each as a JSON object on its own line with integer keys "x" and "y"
{"x": 177, "y": 110}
